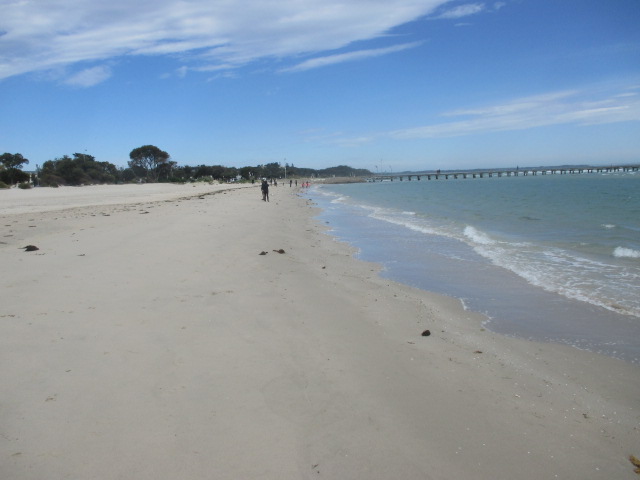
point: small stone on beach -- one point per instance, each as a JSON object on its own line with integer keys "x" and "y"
{"x": 30, "y": 248}
{"x": 426, "y": 333}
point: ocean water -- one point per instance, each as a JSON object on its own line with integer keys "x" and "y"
{"x": 546, "y": 257}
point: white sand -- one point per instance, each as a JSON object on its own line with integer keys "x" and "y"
{"x": 15, "y": 200}
{"x": 148, "y": 339}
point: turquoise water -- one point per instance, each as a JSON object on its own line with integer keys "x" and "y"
{"x": 554, "y": 257}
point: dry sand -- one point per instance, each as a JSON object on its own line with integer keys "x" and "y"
{"x": 148, "y": 339}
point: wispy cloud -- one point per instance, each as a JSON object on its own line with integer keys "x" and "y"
{"x": 467, "y": 10}
{"x": 583, "y": 107}
{"x": 89, "y": 77}
{"x": 38, "y": 36}
{"x": 578, "y": 107}
{"x": 348, "y": 57}
{"x": 463, "y": 10}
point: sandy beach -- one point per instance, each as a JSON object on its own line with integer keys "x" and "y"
{"x": 148, "y": 338}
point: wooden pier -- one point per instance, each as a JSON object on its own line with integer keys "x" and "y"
{"x": 436, "y": 175}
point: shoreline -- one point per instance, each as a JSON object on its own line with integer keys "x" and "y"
{"x": 511, "y": 304}
{"x": 151, "y": 339}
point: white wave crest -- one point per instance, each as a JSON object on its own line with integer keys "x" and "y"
{"x": 477, "y": 236}
{"x": 380, "y": 214}
{"x": 622, "y": 252}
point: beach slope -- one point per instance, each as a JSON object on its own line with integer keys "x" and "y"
{"x": 197, "y": 332}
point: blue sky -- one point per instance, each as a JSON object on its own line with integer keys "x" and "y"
{"x": 397, "y": 84}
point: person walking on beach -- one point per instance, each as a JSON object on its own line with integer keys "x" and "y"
{"x": 265, "y": 190}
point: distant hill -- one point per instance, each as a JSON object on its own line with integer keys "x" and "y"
{"x": 339, "y": 171}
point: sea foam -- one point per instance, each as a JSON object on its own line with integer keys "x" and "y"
{"x": 477, "y": 236}
{"x": 622, "y": 252}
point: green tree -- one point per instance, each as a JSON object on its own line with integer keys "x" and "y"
{"x": 250, "y": 173}
{"x": 165, "y": 170}
{"x": 182, "y": 174}
{"x": 127, "y": 175}
{"x": 13, "y": 162}
{"x": 82, "y": 169}
{"x": 148, "y": 158}
{"x": 217, "y": 172}
{"x": 273, "y": 170}
{"x": 229, "y": 173}
{"x": 203, "y": 171}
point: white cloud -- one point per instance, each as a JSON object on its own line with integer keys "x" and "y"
{"x": 556, "y": 108}
{"x": 348, "y": 57}
{"x": 595, "y": 106}
{"x": 45, "y": 35}
{"x": 89, "y": 77}
{"x": 463, "y": 10}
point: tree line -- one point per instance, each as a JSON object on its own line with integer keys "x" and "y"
{"x": 147, "y": 164}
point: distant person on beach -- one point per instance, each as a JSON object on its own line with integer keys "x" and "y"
{"x": 265, "y": 190}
